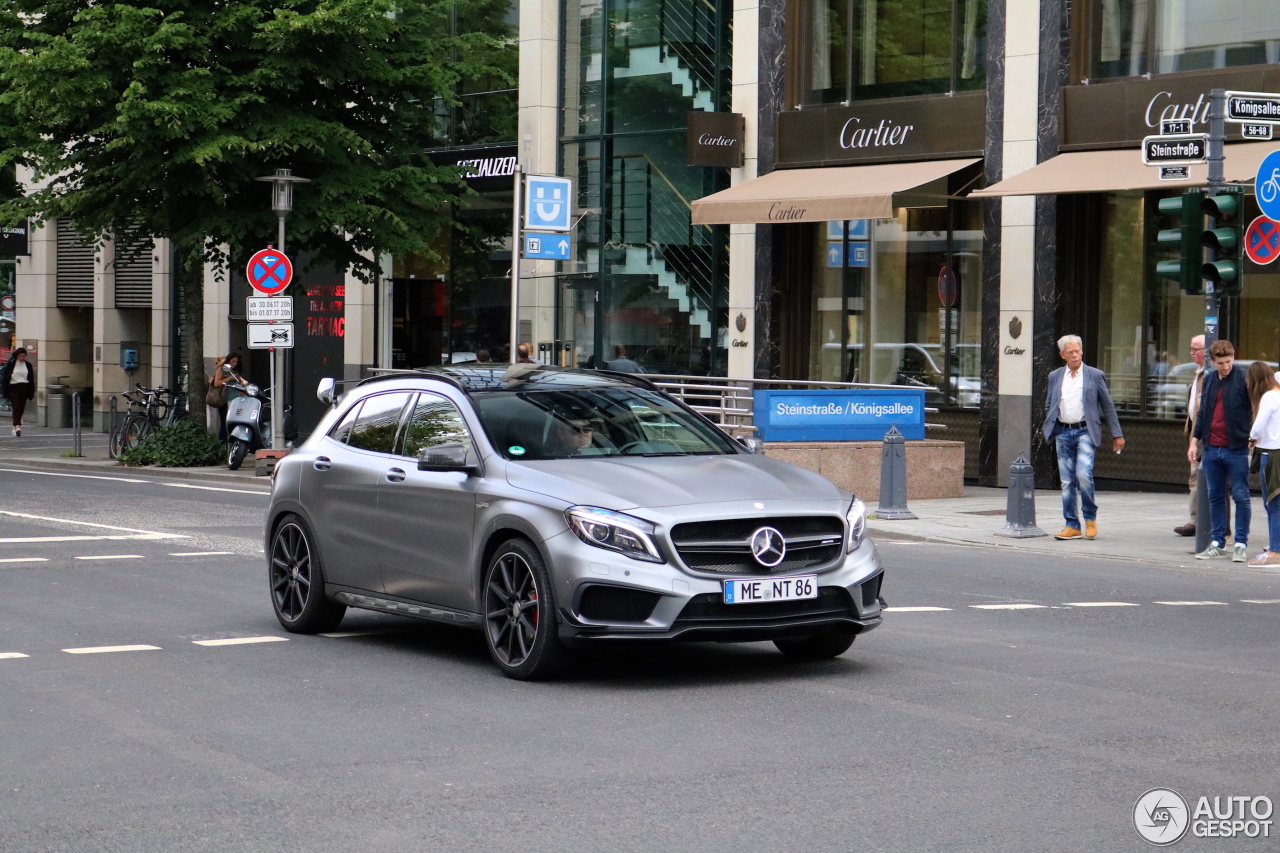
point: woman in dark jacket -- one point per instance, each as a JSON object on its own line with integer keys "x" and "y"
{"x": 18, "y": 385}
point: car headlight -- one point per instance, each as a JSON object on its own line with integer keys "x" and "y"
{"x": 857, "y": 518}
{"x": 615, "y": 531}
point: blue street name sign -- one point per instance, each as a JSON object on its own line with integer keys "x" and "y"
{"x": 547, "y": 247}
{"x": 854, "y": 415}
{"x": 547, "y": 202}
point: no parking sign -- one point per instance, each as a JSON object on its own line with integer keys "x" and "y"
{"x": 1262, "y": 240}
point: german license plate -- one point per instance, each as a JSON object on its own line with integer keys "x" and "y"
{"x": 770, "y": 589}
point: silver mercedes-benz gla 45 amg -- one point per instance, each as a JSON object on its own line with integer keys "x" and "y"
{"x": 552, "y": 508}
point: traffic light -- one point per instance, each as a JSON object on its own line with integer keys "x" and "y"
{"x": 1185, "y": 239}
{"x": 1226, "y": 240}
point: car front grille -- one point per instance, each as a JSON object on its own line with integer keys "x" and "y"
{"x": 709, "y": 608}
{"x": 724, "y": 547}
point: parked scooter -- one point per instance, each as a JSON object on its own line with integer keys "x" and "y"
{"x": 248, "y": 423}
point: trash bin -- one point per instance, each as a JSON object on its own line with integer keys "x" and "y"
{"x": 58, "y": 404}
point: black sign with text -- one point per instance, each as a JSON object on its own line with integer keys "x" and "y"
{"x": 715, "y": 139}
{"x": 13, "y": 240}
{"x": 489, "y": 167}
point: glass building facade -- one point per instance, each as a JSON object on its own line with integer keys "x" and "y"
{"x": 645, "y": 284}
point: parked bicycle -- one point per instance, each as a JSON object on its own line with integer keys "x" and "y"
{"x": 149, "y": 409}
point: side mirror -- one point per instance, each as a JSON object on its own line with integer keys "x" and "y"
{"x": 326, "y": 390}
{"x": 753, "y": 445}
{"x": 446, "y": 457}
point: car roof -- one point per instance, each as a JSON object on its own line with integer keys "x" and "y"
{"x": 472, "y": 378}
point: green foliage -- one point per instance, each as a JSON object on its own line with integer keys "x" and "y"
{"x": 159, "y": 115}
{"x": 183, "y": 445}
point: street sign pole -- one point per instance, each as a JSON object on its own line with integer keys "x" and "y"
{"x": 277, "y": 368}
{"x": 515, "y": 265}
{"x": 1217, "y": 182}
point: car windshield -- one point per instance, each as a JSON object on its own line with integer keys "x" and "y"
{"x": 593, "y": 422}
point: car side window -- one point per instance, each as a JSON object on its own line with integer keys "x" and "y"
{"x": 379, "y": 419}
{"x": 343, "y": 429}
{"x": 433, "y": 422}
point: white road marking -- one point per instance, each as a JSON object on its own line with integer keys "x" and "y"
{"x": 240, "y": 641}
{"x": 112, "y": 557}
{"x": 80, "y": 476}
{"x": 338, "y": 635}
{"x": 201, "y": 553}
{"x": 217, "y": 489}
{"x": 911, "y": 609}
{"x": 1191, "y": 603}
{"x": 1008, "y": 606}
{"x": 94, "y": 650}
{"x": 1101, "y": 604}
{"x": 15, "y": 540}
{"x": 1260, "y": 600}
{"x": 11, "y": 655}
{"x": 139, "y": 534}
{"x": 25, "y": 560}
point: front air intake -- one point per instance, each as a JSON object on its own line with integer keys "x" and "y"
{"x": 615, "y": 604}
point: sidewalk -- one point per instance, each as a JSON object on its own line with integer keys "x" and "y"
{"x": 41, "y": 447}
{"x": 1131, "y": 526}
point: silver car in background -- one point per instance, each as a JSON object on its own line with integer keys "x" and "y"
{"x": 553, "y": 508}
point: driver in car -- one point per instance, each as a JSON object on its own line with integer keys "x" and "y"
{"x": 569, "y": 437}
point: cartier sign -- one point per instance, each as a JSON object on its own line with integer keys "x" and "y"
{"x": 932, "y": 127}
{"x": 1120, "y": 113}
{"x": 715, "y": 139}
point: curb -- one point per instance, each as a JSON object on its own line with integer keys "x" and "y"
{"x": 150, "y": 471}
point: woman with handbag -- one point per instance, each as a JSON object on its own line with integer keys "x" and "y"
{"x": 1264, "y": 441}
{"x": 18, "y": 385}
{"x": 225, "y": 372}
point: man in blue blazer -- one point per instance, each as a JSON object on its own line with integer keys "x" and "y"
{"x": 1074, "y": 406}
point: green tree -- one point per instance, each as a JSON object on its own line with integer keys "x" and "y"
{"x": 158, "y": 116}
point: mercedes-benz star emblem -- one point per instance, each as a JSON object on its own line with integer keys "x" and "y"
{"x": 768, "y": 547}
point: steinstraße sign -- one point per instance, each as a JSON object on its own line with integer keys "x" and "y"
{"x": 1181, "y": 150}
{"x": 853, "y": 415}
{"x": 715, "y": 139}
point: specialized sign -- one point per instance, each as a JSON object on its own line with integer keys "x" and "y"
{"x": 547, "y": 202}
{"x": 13, "y": 239}
{"x": 269, "y": 271}
{"x": 484, "y": 167}
{"x": 1255, "y": 131}
{"x": 1266, "y": 186}
{"x": 1262, "y": 240}
{"x": 852, "y": 415}
{"x": 263, "y": 309}
{"x": 547, "y": 247}
{"x": 266, "y": 336}
{"x": 1181, "y": 150}
{"x": 1175, "y": 173}
{"x": 1253, "y": 107}
{"x": 715, "y": 139}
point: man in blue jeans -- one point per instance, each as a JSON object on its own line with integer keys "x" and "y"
{"x": 1077, "y": 401}
{"x": 1222, "y": 427}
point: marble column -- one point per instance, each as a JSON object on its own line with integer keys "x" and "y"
{"x": 742, "y": 238}
{"x": 771, "y": 43}
{"x": 989, "y": 413}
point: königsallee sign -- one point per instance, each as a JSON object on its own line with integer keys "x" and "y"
{"x": 853, "y": 415}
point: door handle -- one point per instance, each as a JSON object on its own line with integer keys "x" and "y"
{"x": 395, "y": 475}
{"x": 321, "y": 463}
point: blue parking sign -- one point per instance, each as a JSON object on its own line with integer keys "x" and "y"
{"x": 547, "y": 202}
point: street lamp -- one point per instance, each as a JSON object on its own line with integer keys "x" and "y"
{"x": 282, "y": 203}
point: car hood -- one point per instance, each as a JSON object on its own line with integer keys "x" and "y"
{"x": 626, "y": 483}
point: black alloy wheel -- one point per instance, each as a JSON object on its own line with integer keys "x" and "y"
{"x": 519, "y": 615}
{"x": 297, "y": 581}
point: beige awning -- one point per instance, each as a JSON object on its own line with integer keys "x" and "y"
{"x": 819, "y": 195}
{"x": 1112, "y": 171}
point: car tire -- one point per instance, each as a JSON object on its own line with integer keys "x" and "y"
{"x": 296, "y": 580}
{"x": 519, "y": 614}
{"x": 236, "y": 454}
{"x": 829, "y": 644}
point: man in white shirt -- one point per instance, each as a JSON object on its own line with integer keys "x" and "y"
{"x": 1074, "y": 406}
{"x": 1193, "y": 408}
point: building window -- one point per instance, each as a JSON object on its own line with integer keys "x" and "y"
{"x": 899, "y": 302}
{"x": 1135, "y": 37}
{"x": 864, "y": 49}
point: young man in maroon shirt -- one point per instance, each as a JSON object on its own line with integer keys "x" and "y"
{"x": 1222, "y": 426}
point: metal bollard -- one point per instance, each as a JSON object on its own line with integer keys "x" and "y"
{"x": 75, "y": 424}
{"x": 112, "y": 411}
{"x": 893, "y": 478}
{"x": 1020, "y": 512}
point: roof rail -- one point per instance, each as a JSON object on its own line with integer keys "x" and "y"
{"x": 383, "y": 373}
{"x": 629, "y": 378}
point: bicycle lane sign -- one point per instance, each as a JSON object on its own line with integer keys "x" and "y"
{"x": 1262, "y": 240}
{"x": 1266, "y": 186}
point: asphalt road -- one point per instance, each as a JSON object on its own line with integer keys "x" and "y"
{"x": 969, "y": 728}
